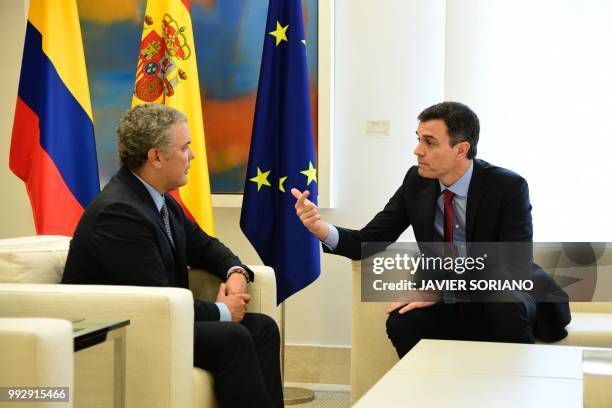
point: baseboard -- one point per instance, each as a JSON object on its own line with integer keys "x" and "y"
{"x": 318, "y": 364}
{"x": 318, "y": 387}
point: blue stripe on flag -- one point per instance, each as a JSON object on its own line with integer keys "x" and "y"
{"x": 66, "y": 132}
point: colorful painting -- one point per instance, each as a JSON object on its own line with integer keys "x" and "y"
{"x": 229, "y": 38}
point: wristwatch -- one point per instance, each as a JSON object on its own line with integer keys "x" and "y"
{"x": 242, "y": 271}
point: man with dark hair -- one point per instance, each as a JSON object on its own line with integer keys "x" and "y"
{"x": 135, "y": 233}
{"x": 461, "y": 122}
{"x": 449, "y": 197}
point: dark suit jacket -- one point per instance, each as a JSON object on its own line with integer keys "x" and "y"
{"x": 498, "y": 210}
{"x": 120, "y": 240}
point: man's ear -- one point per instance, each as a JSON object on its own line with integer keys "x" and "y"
{"x": 462, "y": 149}
{"x": 154, "y": 158}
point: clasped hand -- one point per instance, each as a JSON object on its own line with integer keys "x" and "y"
{"x": 235, "y": 302}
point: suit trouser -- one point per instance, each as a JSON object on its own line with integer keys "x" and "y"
{"x": 244, "y": 360}
{"x": 508, "y": 322}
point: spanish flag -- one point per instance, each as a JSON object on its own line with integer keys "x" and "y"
{"x": 53, "y": 148}
{"x": 167, "y": 73}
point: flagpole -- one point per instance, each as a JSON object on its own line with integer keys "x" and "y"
{"x": 291, "y": 395}
{"x": 281, "y": 156}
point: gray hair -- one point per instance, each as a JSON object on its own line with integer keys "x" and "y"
{"x": 143, "y": 128}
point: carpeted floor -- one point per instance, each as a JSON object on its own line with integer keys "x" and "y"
{"x": 327, "y": 399}
{"x": 326, "y": 395}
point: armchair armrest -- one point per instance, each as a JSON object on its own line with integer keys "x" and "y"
{"x": 159, "y": 339}
{"x": 36, "y": 353}
{"x": 204, "y": 286}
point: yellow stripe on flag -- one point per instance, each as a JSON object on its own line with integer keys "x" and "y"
{"x": 58, "y": 23}
{"x": 170, "y": 22}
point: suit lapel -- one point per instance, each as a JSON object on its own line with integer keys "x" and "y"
{"x": 126, "y": 176}
{"x": 475, "y": 194}
{"x": 180, "y": 245}
{"x": 427, "y": 204}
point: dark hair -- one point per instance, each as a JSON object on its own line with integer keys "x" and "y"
{"x": 462, "y": 123}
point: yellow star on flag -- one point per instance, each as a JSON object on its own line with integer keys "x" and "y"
{"x": 261, "y": 179}
{"x": 280, "y": 33}
{"x": 311, "y": 173}
{"x": 280, "y": 184}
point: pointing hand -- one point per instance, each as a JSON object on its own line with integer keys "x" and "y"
{"x": 309, "y": 214}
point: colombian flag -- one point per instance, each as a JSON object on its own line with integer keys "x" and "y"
{"x": 53, "y": 148}
{"x": 167, "y": 73}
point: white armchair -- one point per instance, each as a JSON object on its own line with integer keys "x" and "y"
{"x": 159, "y": 358}
{"x": 36, "y": 353}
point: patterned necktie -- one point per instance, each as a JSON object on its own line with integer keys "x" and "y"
{"x": 166, "y": 219}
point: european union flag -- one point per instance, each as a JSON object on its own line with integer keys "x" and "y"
{"x": 282, "y": 155}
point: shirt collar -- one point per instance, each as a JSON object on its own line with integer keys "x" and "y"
{"x": 461, "y": 186}
{"x": 158, "y": 198}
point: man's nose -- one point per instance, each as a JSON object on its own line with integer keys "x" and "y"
{"x": 418, "y": 151}
{"x": 191, "y": 155}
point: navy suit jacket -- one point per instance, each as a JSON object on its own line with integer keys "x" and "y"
{"x": 120, "y": 240}
{"x": 498, "y": 210}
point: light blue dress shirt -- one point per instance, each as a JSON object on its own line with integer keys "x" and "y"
{"x": 158, "y": 199}
{"x": 460, "y": 188}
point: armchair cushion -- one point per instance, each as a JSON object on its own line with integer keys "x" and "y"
{"x": 589, "y": 330}
{"x": 38, "y": 259}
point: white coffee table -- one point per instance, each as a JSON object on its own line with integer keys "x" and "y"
{"x": 444, "y": 373}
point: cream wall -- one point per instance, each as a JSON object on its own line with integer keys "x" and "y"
{"x": 389, "y": 65}
{"x": 542, "y": 93}
{"x": 15, "y": 214}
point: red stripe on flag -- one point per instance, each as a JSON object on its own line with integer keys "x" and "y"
{"x": 186, "y": 3}
{"x": 25, "y": 137}
{"x": 56, "y": 211}
{"x": 177, "y": 197}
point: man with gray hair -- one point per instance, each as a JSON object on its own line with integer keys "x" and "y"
{"x": 135, "y": 233}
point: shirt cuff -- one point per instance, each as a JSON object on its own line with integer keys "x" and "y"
{"x": 224, "y": 313}
{"x": 233, "y": 268}
{"x": 332, "y": 238}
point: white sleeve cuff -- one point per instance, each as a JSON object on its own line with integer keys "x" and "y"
{"x": 233, "y": 268}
